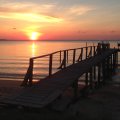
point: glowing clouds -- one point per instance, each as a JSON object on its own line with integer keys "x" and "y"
{"x": 23, "y": 12}
{"x": 31, "y": 17}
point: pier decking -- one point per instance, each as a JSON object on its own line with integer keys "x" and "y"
{"x": 99, "y": 64}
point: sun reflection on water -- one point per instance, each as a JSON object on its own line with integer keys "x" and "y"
{"x": 33, "y": 49}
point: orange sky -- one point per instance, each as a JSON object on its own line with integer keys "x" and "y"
{"x": 58, "y": 20}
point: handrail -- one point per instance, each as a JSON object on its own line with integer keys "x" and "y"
{"x": 58, "y": 52}
{"x": 89, "y": 52}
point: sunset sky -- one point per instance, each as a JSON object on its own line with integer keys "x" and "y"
{"x": 60, "y": 19}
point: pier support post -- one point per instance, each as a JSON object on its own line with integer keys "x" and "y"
{"x": 94, "y": 72}
{"x": 99, "y": 74}
{"x": 111, "y": 64}
{"x": 85, "y": 89}
{"x": 74, "y": 53}
{"x": 86, "y": 52}
{"x": 107, "y": 67}
{"x": 114, "y": 62}
{"x": 104, "y": 71}
{"x": 60, "y": 56}
{"x": 94, "y": 76}
{"x": 117, "y": 58}
{"x": 75, "y": 87}
{"x": 91, "y": 78}
{"x": 50, "y": 64}
{"x": 86, "y": 79}
{"x": 29, "y": 75}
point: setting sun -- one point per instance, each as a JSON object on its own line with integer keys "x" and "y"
{"x": 34, "y": 35}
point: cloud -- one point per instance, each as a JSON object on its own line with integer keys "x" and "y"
{"x": 27, "y": 7}
{"x": 79, "y": 10}
{"x": 30, "y": 17}
{"x": 28, "y": 12}
{"x": 33, "y": 12}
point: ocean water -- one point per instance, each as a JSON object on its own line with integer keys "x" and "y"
{"x": 14, "y": 56}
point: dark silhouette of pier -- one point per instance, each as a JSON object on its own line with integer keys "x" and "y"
{"x": 97, "y": 63}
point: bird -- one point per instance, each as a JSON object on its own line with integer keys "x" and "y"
{"x": 14, "y": 28}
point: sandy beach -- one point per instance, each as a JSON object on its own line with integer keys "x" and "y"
{"x": 101, "y": 104}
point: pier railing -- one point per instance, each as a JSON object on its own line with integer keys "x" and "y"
{"x": 65, "y": 57}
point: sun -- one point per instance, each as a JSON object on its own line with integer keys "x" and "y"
{"x": 34, "y": 35}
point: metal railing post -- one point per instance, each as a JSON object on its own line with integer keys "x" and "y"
{"x": 50, "y": 64}
{"x": 31, "y": 72}
{"x": 74, "y": 53}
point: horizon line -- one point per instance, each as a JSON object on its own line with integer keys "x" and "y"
{"x": 55, "y": 40}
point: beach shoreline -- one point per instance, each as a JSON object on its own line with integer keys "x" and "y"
{"x": 10, "y": 83}
{"x": 100, "y": 105}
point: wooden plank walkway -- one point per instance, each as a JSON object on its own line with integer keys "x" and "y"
{"x": 48, "y": 89}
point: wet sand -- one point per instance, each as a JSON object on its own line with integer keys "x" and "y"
{"x": 101, "y": 104}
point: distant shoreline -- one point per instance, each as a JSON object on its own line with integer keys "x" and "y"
{"x": 61, "y": 40}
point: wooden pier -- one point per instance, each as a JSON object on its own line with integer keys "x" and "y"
{"x": 97, "y": 63}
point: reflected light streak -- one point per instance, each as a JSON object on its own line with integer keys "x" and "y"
{"x": 33, "y": 49}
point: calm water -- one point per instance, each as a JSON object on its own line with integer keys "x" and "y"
{"x": 14, "y": 56}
